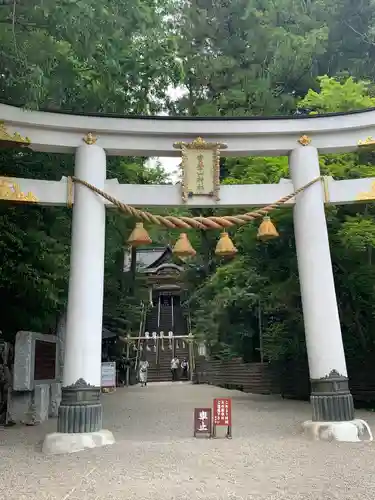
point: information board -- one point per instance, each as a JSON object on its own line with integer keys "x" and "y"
{"x": 223, "y": 415}
{"x": 109, "y": 374}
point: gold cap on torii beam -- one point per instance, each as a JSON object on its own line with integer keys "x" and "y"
{"x": 8, "y": 140}
{"x": 368, "y": 143}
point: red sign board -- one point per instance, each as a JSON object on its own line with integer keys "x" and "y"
{"x": 223, "y": 412}
{"x": 202, "y": 421}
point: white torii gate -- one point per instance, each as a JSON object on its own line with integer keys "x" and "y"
{"x": 93, "y": 138}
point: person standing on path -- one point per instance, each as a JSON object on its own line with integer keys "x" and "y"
{"x": 185, "y": 369}
{"x": 175, "y": 363}
{"x": 143, "y": 372}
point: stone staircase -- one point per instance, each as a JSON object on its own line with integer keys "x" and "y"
{"x": 161, "y": 371}
{"x": 160, "y": 366}
{"x": 151, "y": 323}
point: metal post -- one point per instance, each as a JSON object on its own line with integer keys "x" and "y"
{"x": 127, "y": 364}
{"x": 191, "y": 359}
{"x": 172, "y": 313}
{"x": 260, "y": 327}
{"x": 158, "y": 311}
{"x": 143, "y": 320}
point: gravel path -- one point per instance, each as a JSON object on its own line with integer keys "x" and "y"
{"x": 156, "y": 458}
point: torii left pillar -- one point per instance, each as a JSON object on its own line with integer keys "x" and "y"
{"x": 80, "y": 414}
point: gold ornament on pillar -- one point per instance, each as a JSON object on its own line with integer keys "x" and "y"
{"x": 90, "y": 139}
{"x": 304, "y": 140}
{"x": 183, "y": 247}
{"x": 225, "y": 247}
{"x": 267, "y": 230}
{"x": 139, "y": 236}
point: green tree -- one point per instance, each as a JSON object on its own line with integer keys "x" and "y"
{"x": 334, "y": 96}
{"x": 248, "y": 57}
{"x": 80, "y": 56}
{"x": 269, "y": 270}
{"x": 350, "y": 48}
{"x": 86, "y": 56}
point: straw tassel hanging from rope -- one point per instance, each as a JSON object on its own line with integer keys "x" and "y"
{"x": 267, "y": 230}
{"x": 139, "y": 236}
{"x": 225, "y": 247}
{"x": 183, "y": 247}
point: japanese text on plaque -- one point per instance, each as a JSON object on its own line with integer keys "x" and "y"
{"x": 202, "y": 421}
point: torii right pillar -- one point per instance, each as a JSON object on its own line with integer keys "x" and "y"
{"x": 332, "y": 403}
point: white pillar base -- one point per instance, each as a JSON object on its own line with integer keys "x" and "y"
{"x": 59, "y": 443}
{"x": 351, "y": 431}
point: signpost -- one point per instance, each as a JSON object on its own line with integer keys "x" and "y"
{"x": 202, "y": 422}
{"x": 108, "y": 376}
{"x": 223, "y": 415}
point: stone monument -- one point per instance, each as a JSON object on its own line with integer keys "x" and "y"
{"x": 36, "y": 392}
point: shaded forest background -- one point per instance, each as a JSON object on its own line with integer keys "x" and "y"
{"x": 231, "y": 58}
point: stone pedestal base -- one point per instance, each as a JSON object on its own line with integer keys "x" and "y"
{"x": 350, "y": 431}
{"x": 61, "y": 443}
{"x": 80, "y": 409}
{"x": 331, "y": 399}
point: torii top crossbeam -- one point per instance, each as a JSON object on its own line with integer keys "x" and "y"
{"x": 154, "y": 136}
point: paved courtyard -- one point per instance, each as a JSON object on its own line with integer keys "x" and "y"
{"x": 157, "y": 458}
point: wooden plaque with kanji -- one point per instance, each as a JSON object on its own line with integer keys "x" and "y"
{"x": 200, "y": 168}
{"x": 202, "y": 421}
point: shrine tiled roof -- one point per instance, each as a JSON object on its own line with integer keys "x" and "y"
{"x": 147, "y": 257}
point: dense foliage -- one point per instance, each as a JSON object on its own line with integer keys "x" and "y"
{"x": 78, "y": 56}
{"x": 226, "y": 306}
{"x": 238, "y": 57}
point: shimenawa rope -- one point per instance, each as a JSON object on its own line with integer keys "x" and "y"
{"x": 183, "y": 222}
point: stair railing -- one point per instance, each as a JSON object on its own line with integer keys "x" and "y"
{"x": 141, "y": 328}
{"x": 172, "y": 311}
{"x": 157, "y": 348}
{"x": 159, "y": 313}
{"x": 188, "y": 318}
{"x": 191, "y": 346}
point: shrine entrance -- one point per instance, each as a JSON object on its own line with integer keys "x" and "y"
{"x": 164, "y": 331}
{"x": 166, "y": 299}
{"x": 89, "y": 193}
